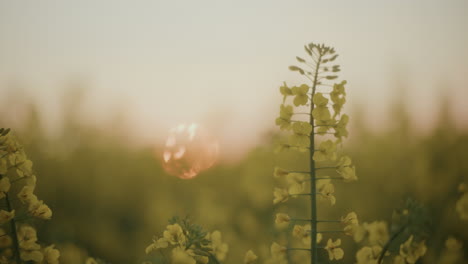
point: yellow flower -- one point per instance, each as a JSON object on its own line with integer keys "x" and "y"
{"x": 5, "y": 239}
{"x": 279, "y": 172}
{"x": 280, "y": 195}
{"x": 326, "y": 190}
{"x": 296, "y": 188}
{"x": 346, "y": 170}
{"x": 303, "y": 233}
{"x": 368, "y": 255}
{"x": 32, "y": 255}
{"x": 282, "y": 220}
{"x": 284, "y": 120}
{"x": 453, "y": 244}
{"x": 220, "y": 249}
{"x": 174, "y": 234}
{"x": 301, "y": 136}
{"x": 338, "y": 97}
{"x": 412, "y": 251}
{"x": 321, "y": 111}
{"x": 250, "y": 257}
{"x": 6, "y": 216}
{"x": 378, "y": 232}
{"x": 350, "y": 219}
{"x": 277, "y": 252}
{"x": 285, "y": 91}
{"x": 296, "y": 177}
{"x": 4, "y": 186}
{"x": 462, "y": 207}
{"x": 340, "y": 127}
{"x": 334, "y": 252}
{"x": 351, "y": 224}
{"x": 180, "y": 256}
{"x": 51, "y": 255}
{"x": 26, "y": 195}
{"x": 323, "y": 126}
{"x": 157, "y": 244}
{"x": 300, "y": 93}
{"x": 27, "y": 238}
{"x": 326, "y": 151}
{"x": 40, "y": 210}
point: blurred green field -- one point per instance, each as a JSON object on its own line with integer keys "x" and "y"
{"x": 109, "y": 198}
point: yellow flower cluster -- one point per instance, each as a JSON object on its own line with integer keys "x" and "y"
{"x": 186, "y": 250}
{"x": 20, "y": 242}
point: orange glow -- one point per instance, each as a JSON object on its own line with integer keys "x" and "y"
{"x": 189, "y": 150}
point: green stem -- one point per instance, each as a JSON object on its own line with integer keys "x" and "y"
{"x": 13, "y": 229}
{"x": 385, "y": 249}
{"x": 313, "y": 198}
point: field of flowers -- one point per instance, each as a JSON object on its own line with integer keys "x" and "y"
{"x": 90, "y": 194}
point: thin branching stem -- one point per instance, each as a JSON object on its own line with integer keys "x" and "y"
{"x": 313, "y": 198}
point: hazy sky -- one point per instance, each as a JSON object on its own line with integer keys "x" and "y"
{"x": 222, "y": 62}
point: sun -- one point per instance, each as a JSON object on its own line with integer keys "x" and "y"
{"x": 189, "y": 149}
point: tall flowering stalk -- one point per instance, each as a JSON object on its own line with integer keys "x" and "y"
{"x": 322, "y": 100}
{"x": 19, "y": 206}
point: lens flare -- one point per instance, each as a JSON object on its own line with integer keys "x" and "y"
{"x": 189, "y": 149}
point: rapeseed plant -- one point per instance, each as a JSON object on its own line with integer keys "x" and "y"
{"x": 323, "y": 101}
{"x": 19, "y": 207}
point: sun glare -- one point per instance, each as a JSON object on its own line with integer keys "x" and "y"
{"x": 189, "y": 149}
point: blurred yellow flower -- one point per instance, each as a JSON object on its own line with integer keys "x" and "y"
{"x": 321, "y": 111}
{"x": 279, "y": 172}
{"x": 174, "y": 234}
{"x": 250, "y": 257}
{"x": 282, "y": 220}
{"x": 180, "y": 256}
{"x": 303, "y": 233}
{"x": 5, "y": 239}
{"x": 285, "y": 91}
{"x": 220, "y": 249}
{"x": 277, "y": 252}
{"x": 26, "y": 195}
{"x": 51, "y": 255}
{"x": 325, "y": 190}
{"x": 368, "y": 255}
{"x": 4, "y": 186}
{"x": 284, "y": 120}
{"x": 346, "y": 170}
{"x": 157, "y": 244}
{"x": 6, "y": 216}
{"x": 40, "y": 210}
{"x": 412, "y": 251}
{"x": 334, "y": 252}
{"x": 32, "y": 255}
{"x": 338, "y": 97}
{"x": 280, "y": 195}
{"x": 301, "y": 136}
{"x": 340, "y": 127}
{"x": 326, "y": 151}
{"x": 378, "y": 232}
{"x": 301, "y": 97}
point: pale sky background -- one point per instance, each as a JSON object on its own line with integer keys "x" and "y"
{"x": 221, "y": 62}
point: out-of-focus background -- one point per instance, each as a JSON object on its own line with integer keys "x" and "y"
{"x": 91, "y": 88}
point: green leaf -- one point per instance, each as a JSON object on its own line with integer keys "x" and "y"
{"x": 299, "y": 59}
{"x": 295, "y": 68}
{"x": 308, "y": 51}
{"x": 331, "y": 77}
